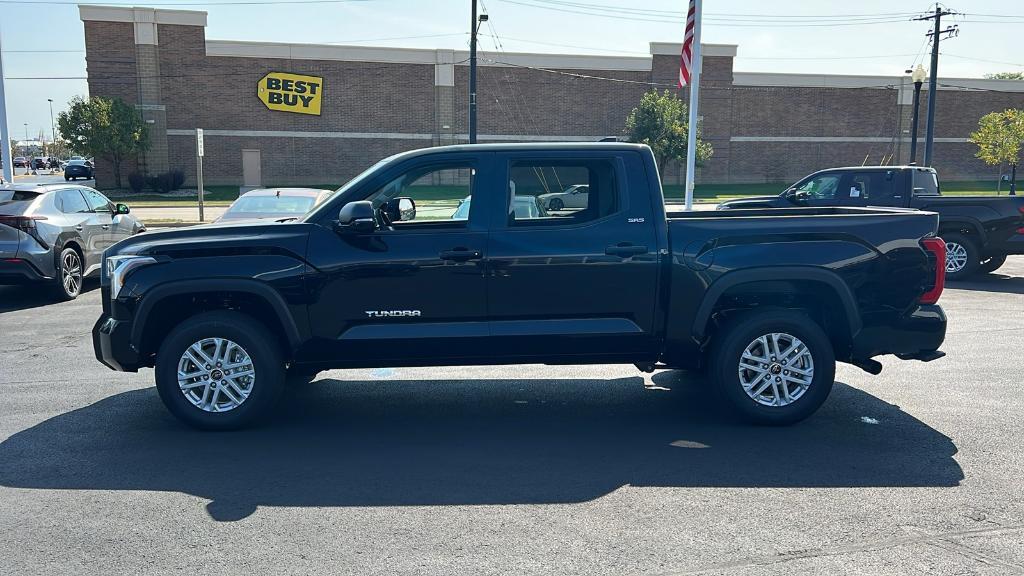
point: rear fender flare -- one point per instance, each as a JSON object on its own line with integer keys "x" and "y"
{"x": 738, "y": 277}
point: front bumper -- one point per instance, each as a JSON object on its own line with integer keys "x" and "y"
{"x": 111, "y": 341}
{"x": 914, "y": 335}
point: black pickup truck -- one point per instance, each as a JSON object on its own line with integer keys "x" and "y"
{"x": 980, "y": 231}
{"x": 443, "y": 256}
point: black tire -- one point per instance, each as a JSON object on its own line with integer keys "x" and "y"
{"x": 299, "y": 376}
{"x": 991, "y": 264}
{"x": 973, "y": 256}
{"x": 263, "y": 350}
{"x": 556, "y": 204}
{"x": 738, "y": 333}
{"x": 66, "y": 179}
{"x": 69, "y": 264}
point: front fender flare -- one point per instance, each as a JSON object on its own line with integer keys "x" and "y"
{"x": 254, "y": 287}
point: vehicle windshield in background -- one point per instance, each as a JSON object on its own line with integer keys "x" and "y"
{"x": 272, "y": 205}
{"x": 7, "y": 196}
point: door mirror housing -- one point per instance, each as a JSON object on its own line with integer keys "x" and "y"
{"x": 356, "y": 217}
{"x": 121, "y": 209}
{"x": 400, "y": 209}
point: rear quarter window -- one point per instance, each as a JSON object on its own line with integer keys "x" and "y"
{"x": 926, "y": 183}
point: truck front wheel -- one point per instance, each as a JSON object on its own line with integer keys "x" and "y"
{"x": 219, "y": 371}
{"x": 773, "y": 367}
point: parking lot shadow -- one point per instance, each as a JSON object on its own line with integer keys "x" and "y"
{"x": 470, "y": 442}
{"x": 991, "y": 283}
{"x": 14, "y": 298}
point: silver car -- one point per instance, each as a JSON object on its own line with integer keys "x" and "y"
{"x": 55, "y": 234}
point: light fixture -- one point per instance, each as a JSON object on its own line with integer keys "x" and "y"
{"x": 919, "y": 74}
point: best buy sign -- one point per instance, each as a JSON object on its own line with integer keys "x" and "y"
{"x": 291, "y": 92}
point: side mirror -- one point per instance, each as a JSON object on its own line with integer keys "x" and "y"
{"x": 401, "y": 209}
{"x": 121, "y": 209}
{"x": 356, "y": 217}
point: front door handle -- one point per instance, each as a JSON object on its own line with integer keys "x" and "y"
{"x": 79, "y": 227}
{"x": 105, "y": 226}
{"x": 460, "y": 255}
{"x": 625, "y": 250}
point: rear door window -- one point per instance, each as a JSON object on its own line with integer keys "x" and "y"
{"x": 871, "y": 187}
{"x": 71, "y": 201}
{"x": 926, "y": 183}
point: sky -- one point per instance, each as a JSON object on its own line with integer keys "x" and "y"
{"x": 44, "y": 38}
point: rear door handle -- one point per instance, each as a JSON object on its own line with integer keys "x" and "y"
{"x": 106, "y": 226}
{"x": 625, "y": 250}
{"x": 460, "y": 255}
{"x": 79, "y": 227}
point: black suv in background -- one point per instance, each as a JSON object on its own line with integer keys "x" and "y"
{"x": 980, "y": 231}
{"x": 766, "y": 300}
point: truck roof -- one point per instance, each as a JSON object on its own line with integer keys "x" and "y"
{"x": 901, "y": 167}
{"x": 522, "y": 147}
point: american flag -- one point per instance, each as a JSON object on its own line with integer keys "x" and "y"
{"x": 686, "y": 57}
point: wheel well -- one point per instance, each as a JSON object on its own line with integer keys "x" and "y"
{"x": 166, "y": 314}
{"x": 817, "y": 299}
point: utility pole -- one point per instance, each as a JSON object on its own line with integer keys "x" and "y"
{"x": 472, "y": 75}
{"x": 5, "y": 135}
{"x": 53, "y": 131}
{"x": 936, "y": 34}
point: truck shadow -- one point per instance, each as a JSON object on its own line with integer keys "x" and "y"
{"x": 991, "y": 283}
{"x": 473, "y": 442}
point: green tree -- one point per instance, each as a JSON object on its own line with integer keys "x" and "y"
{"x": 999, "y": 138}
{"x": 661, "y": 122}
{"x": 1005, "y": 76}
{"x": 106, "y": 128}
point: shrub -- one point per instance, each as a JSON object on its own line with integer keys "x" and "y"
{"x": 136, "y": 182}
{"x": 166, "y": 181}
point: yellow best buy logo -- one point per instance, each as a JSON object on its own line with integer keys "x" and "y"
{"x": 291, "y": 92}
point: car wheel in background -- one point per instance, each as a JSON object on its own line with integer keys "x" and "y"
{"x": 68, "y": 279}
{"x": 962, "y": 256}
{"x": 773, "y": 367}
{"x": 556, "y": 204}
{"x": 991, "y": 264}
{"x": 220, "y": 371}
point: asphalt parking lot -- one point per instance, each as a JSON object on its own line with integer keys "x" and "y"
{"x": 536, "y": 470}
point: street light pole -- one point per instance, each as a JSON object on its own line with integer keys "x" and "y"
{"x": 472, "y": 75}
{"x": 53, "y": 132}
{"x": 918, "y": 78}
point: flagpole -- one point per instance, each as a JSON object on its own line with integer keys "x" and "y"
{"x": 691, "y": 140}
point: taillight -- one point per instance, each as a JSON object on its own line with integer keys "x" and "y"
{"x": 26, "y": 224}
{"x": 937, "y": 247}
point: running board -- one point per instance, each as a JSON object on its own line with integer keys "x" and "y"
{"x": 926, "y": 356}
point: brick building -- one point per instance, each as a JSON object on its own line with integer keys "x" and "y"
{"x": 379, "y": 101}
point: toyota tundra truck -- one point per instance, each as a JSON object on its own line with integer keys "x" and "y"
{"x": 394, "y": 270}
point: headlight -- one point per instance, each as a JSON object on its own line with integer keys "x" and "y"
{"x": 117, "y": 268}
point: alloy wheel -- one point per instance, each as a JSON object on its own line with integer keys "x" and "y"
{"x": 71, "y": 272}
{"x": 216, "y": 375}
{"x": 956, "y": 257}
{"x": 776, "y": 369}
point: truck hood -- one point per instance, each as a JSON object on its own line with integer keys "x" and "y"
{"x": 756, "y": 202}
{"x": 249, "y": 236}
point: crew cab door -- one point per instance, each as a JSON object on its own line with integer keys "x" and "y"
{"x": 579, "y": 281}
{"x": 410, "y": 289}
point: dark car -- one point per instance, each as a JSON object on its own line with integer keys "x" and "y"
{"x": 55, "y": 235}
{"x": 76, "y": 169}
{"x": 766, "y": 300}
{"x": 274, "y": 203}
{"x": 20, "y": 162}
{"x": 980, "y": 231}
{"x": 39, "y": 163}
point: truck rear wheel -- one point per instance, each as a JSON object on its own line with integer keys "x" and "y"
{"x": 992, "y": 264}
{"x": 962, "y": 256}
{"x": 773, "y": 367}
{"x": 220, "y": 371}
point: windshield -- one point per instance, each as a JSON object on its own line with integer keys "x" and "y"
{"x": 272, "y": 205}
